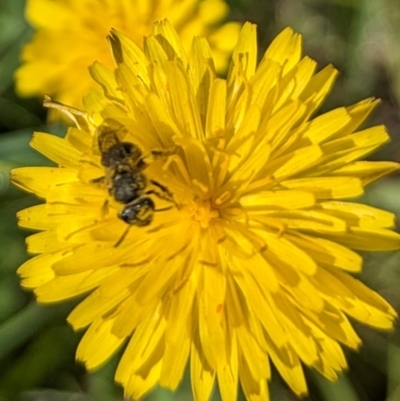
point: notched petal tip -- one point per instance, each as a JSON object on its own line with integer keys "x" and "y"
{"x": 14, "y": 179}
{"x": 116, "y": 46}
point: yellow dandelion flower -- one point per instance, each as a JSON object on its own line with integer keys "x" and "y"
{"x": 70, "y": 35}
{"x": 247, "y": 255}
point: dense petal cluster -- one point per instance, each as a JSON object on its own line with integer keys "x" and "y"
{"x": 70, "y": 36}
{"x": 253, "y": 262}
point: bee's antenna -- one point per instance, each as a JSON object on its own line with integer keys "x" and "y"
{"x": 164, "y": 209}
{"x": 124, "y": 234}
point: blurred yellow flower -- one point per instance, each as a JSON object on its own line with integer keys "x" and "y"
{"x": 252, "y": 262}
{"x": 70, "y": 36}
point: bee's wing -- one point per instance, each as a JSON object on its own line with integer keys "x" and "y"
{"x": 106, "y": 138}
{"x": 110, "y": 133}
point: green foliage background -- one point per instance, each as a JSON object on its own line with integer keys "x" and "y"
{"x": 361, "y": 38}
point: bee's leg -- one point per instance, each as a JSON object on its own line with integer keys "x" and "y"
{"x": 98, "y": 180}
{"x": 163, "y": 194}
{"x": 153, "y": 155}
{"x": 104, "y": 210}
{"x": 163, "y": 209}
{"x": 124, "y": 234}
{"x": 167, "y": 194}
{"x": 160, "y": 195}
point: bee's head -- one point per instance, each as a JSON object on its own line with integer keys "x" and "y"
{"x": 139, "y": 212}
{"x": 119, "y": 153}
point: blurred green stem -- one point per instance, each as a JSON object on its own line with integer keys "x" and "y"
{"x": 101, "y": 382}
{"x": 19, "y": 328}
{"x": 341, "y": 390}
{"x": 359, "y": 79}
{"x": 392, "y": 13}
{"x": 393, "y": 366}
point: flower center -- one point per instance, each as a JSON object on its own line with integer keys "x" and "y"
{"x": 204, "y": 212}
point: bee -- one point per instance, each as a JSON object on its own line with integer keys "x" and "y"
{"x": 124, "y": 163}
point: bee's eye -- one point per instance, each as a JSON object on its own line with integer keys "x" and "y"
{"x": 131, "y": 150}
{"x": 128, "y": 147}
{"x": 138, "y": 213}
{"x": 128, "y": 214}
